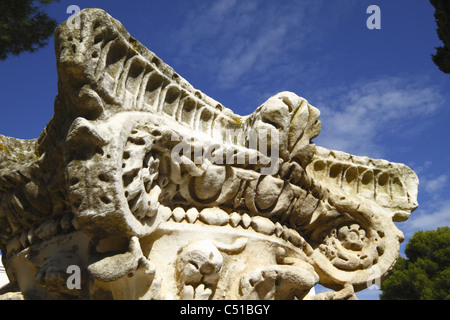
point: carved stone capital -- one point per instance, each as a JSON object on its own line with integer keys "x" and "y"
{"x": 153, "y": 190}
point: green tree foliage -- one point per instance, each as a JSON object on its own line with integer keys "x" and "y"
{"x": 23, "y": 26}
{"x": 425, "y": 273}
{"x": 442, "y": 15}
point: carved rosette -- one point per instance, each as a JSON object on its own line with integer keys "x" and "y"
{"x": 355, "y": 252}
{"x": 112, "y": 183}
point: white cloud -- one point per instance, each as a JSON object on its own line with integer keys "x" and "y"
{"x": 355, "y": 118}
{"x": 429, "y": 219}
{"x": 434, "y": 185}
{"x": 420, "y": 168}
{"x": 243, "y": 57}
{"x": 242, "y": 40}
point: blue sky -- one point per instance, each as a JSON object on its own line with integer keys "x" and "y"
{"x": 379, "y": 92}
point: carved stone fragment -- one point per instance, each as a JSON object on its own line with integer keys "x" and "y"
{"x": 156, "y": 191}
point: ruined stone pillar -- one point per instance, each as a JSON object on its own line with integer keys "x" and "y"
{"x": 142, "y": 187}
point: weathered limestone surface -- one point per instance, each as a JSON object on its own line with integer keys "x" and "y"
{"x": 152, "y": 190}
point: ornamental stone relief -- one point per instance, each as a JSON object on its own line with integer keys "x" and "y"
{"x": 153, "y": 190}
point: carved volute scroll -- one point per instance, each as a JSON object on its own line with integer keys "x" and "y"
{"x": 153, "y": 190}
